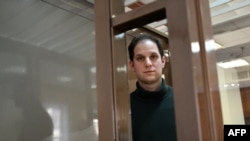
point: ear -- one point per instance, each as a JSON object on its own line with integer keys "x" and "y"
{"x": 163, "y": 60}
{"x": 131, "y": 65}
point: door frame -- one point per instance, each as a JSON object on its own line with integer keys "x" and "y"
{"x": 193, "y": 67}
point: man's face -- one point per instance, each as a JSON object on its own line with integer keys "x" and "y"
{"x": 147, "y": 62}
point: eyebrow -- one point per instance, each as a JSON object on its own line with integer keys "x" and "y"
{"x": 139, "y": 55}
{"x": 152, "y": 53}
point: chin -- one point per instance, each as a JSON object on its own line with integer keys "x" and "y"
{"x": 150, "y": 80}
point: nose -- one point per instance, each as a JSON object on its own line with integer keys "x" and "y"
{"x": 148, "y": 62}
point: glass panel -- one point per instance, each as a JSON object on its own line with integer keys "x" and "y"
{"x": 231, "y": 25}
{"x": 47, "y": 73}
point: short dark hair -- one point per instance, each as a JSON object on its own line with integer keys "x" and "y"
{"x": 141, "y": 37}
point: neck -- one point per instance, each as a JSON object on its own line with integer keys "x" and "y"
{"x": 151, "y": 86}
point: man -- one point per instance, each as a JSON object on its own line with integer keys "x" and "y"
{"x": 152, "y": 110}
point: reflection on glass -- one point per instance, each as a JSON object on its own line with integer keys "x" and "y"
{"x": 72, "y": 114}
{"x": 47, "y": 59}
{"x": 133, "y": 4}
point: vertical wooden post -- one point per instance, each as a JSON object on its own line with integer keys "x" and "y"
{"x": 104, "y": 69}
{"x": 210, "y": 71}
{"x": 192, "y": 58}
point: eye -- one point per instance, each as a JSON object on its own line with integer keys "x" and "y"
{"x": 140, "y": 58}
{"x": 154, "y": 57}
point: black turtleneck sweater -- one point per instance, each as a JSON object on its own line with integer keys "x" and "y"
{"x": 153, "y": 114}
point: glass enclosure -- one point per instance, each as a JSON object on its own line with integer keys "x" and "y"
{"x": 48, "y": 71}
{"x": 231, "y": 28}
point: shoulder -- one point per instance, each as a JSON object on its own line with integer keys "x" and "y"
{"x": 169, "y": 92}
{"x": 169, "y": 88}
{"x": 132, "y": 94}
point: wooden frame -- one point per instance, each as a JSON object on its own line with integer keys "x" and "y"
{"x": 194, "y": 75}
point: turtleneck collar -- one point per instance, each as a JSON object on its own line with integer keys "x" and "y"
{"x": 160, "y": 93}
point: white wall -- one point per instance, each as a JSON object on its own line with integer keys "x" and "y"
{"x": 230, "y": 97}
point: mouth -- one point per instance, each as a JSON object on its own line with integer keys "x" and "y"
{"x": 148, "y": 72}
